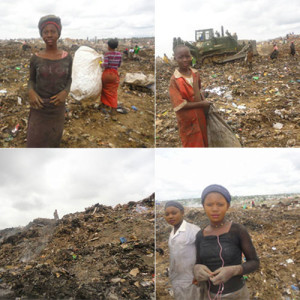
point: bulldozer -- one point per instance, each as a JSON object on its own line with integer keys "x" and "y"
{"x": 215, "y": 47}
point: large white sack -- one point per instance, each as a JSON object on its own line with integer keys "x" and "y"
{"x": 86, "y": 74}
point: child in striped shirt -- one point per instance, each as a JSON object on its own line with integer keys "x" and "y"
{"x": 110, "y": 76}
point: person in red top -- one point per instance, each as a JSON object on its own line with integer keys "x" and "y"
{"x": 110, "y": 76}
{"x": 188, "y": 100}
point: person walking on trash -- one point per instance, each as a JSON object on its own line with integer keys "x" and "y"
{"x": 110, "y": 76}
{"x": 182, "y": 252}
{"x": 188, "y": 100}
{"x": 219, "y": 249}
{"x": 48, "y": 87}
{"x": 292, "y": 49}
{"x": 249, "y": 56}
{"x": 275, "y": 52}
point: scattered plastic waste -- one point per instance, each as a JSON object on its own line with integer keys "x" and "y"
{"x": 134, "y": 108}
{"x": 278, "y": 125}
{"x": 123, "y": 240}
{"x": 141, "y": 209}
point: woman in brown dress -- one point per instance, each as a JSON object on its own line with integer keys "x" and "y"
{"x": 49, "y": 84}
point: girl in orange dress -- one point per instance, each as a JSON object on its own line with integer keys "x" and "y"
{"x": 188, "y": 100}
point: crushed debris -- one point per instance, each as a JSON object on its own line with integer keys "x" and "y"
{"x": 81, "y": 256}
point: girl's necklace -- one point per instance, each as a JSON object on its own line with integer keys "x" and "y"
{"x": 218, "y": 226}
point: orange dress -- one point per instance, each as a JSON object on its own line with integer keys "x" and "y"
{"x": 191, "y": 122}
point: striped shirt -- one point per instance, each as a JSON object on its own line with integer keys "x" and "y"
{"x": 112, "y": 60}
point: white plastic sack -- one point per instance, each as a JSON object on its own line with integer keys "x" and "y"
{"x": 139, "y": 79}
{"x": 86, "y": 74}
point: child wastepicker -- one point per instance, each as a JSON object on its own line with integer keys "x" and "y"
{"x": 219, "y": 248}
{"x": 182, "y": 253}
{"x": 188, "y": 100}
{"x": 110, "y": 76}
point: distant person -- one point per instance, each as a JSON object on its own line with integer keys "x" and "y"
{"x": 292, "y": 49}
{"x": 48, "y": 87}
{"x": 55, "y": 214}
{"x": 125, "y": 52}
{"x": 219, "y": 248}
{"x": 249, "y": 56}
{"x": 182, "y": 253}
{"x": 166, "y": 59}
{"x": 136, "y": 52}
{"x": 188, "y": 101}
{"x": 275, "y": 52}
{"x": 110, "y": 76}
{"x": 25, "y": 46}
{"x": 131, "y": 53}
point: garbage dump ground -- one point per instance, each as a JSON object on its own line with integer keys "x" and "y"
{"x": 262, "y": 106}
{"x": 85, "y": 125}
{"x": 101, "y": 253}
{"x": 275, "y": 233}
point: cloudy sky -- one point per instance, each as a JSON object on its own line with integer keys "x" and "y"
{"x": 33, "y": 183}
{"x": 250, "y": 19}
{"x": 184, "y": 174}
{"x": 80, "y": 18}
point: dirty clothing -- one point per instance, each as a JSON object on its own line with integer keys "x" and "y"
{"x": 241, "y": 294}
{"x": 235, "y": 242}
{"x": 191, "y": 122}
{"x": 48, "y": 78}
{"x": 112, "y": 60}
{"x": 45, "y": 126}
{"x": 292, "y": 49}
{"x": 182, "y": 261}
{"x": 110, "y": 83}
{"x": 110, "y": 78}
{"x": 274, "y": 54}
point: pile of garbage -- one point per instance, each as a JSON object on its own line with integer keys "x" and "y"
{"x": 85, "y": 125}
{"x": 261, "y": 105}
{"x": 101, "y": 253}
{"x": 275, "y": 233}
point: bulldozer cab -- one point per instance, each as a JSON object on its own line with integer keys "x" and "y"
{"x": 204, "y": 35}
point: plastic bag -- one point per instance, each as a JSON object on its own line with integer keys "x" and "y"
{"x": 219, "y": 134}
{"x": 86, "y": 74}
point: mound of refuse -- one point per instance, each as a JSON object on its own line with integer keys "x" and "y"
{"x": 101, "y": 253}
{"x": 261, "y": 105}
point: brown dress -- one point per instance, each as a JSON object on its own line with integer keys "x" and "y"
{"x": 48, "y": 78}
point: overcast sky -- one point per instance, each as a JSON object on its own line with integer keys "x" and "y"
{"x": 184, "y": 174}
{"x": 33, "y": 183}
{"x": 250, "y": 19}
{"x": 80, "y": 18}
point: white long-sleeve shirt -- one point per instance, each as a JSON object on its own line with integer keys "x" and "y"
{"x": 182, "y": 261}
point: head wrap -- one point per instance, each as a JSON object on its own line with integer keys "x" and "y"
{"x": 216, "y": 188}
{"x": 174, "y": 204}
{"x": 50, "y": 19}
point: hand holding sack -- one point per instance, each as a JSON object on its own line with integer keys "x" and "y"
{"x": 219, "y": 133}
